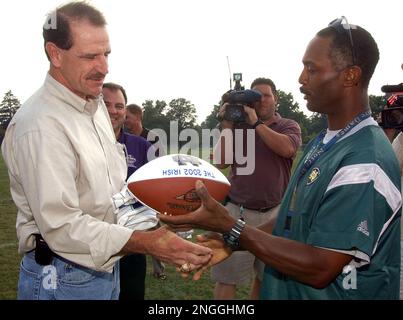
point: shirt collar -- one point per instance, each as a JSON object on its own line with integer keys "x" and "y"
{"x": 276, "y": 117}
{"x": 364, "y": 123}
{"x": 273, "y": 120}
{"x": 67, "y": 96}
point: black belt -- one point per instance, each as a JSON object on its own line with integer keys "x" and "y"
{"x": 262, "y": 210}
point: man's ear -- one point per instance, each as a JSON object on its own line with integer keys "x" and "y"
{"x": 352, "y": 76}
{"x": 54, "y": 53}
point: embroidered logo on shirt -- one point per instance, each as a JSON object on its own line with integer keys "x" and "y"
{"x": 363, "y": 227}
{"x": 313, "y": 176}
{"x": 131, "y": 161}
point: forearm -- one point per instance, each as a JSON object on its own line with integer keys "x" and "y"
{"x": 305, "y": 263}
{"x": 166, "y": 246}
{"x": 137, "y": 243}
{"x": 281, "y": 144}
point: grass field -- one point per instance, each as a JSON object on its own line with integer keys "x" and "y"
{"x": 173, "y": 288}
{"x": 9, "y": 258}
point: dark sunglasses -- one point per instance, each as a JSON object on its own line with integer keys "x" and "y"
{"x": 341, "y": 25}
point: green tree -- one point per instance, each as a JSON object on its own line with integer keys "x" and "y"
{"x": 154, "y": 115}
{"x": 377, "y": 103}
{"x": 211, "y": 120}
{"x": 317, "y": 122}
{"x": 288, "y": 108}
{"x": 8, "y": 108}
{"x": 184, "y": 112}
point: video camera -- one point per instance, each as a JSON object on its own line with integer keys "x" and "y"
{"x": 237, "y": 98}
{"x": 392, "y": 115}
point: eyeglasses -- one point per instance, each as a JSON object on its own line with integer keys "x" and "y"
{"x": 341, "y": 27}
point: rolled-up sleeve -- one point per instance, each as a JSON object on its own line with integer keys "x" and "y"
{"x": 293, "y": 131}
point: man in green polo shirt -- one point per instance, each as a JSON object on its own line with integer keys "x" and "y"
{"x": 337, "y": 234}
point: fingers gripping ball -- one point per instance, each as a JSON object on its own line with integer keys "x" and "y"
{"x": 167, "y": 184}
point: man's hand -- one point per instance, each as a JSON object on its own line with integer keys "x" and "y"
{"x": 221, "y": 252}
{"x": 225, "y": 124}
{"x": 251, "y": 116}
{"x": 211, "y": 215}
{"x": 168, "y": 247}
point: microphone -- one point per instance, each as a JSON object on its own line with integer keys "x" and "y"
{"x": 392, "y": 88}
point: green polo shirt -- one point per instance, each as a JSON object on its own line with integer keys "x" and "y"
{"x": 349, "y": 200}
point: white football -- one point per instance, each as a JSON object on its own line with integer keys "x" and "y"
{"x": 167, "y": 184}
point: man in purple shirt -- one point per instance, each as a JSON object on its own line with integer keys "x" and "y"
{"x": 132, "y": 267}
{"x": 136, "y": 150}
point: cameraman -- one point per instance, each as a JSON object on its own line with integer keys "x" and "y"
{"x": 256, "y": 196}
{"x": 397, "y": 143}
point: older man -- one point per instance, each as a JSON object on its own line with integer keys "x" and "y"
{"x": 65, "y": 166}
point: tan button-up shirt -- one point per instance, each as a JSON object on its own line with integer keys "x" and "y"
{"x": 64, "y": 166}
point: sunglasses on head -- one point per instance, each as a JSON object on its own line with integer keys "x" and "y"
{"x": 341, "y": 25}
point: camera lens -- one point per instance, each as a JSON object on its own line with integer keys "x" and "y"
{"x": 235, "y": 113}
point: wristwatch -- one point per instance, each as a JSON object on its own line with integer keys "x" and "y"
{"x": 257, "y": 123}
{"x": 231, "y": 238}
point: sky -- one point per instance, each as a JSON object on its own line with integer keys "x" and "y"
{"x": 178, "y": 49}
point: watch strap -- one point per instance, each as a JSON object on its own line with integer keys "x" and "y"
{"x": 231, "y": 238}
{"x": 258, "y": 122}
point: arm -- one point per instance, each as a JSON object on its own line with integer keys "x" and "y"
{"x": 307, "y": 264}
{"x": 313, "y": 266}
{"x": 168, "y": 247}
{"x": 280, "y": 143}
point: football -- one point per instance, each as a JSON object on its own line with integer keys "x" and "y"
{"x": 167, "y": 184}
